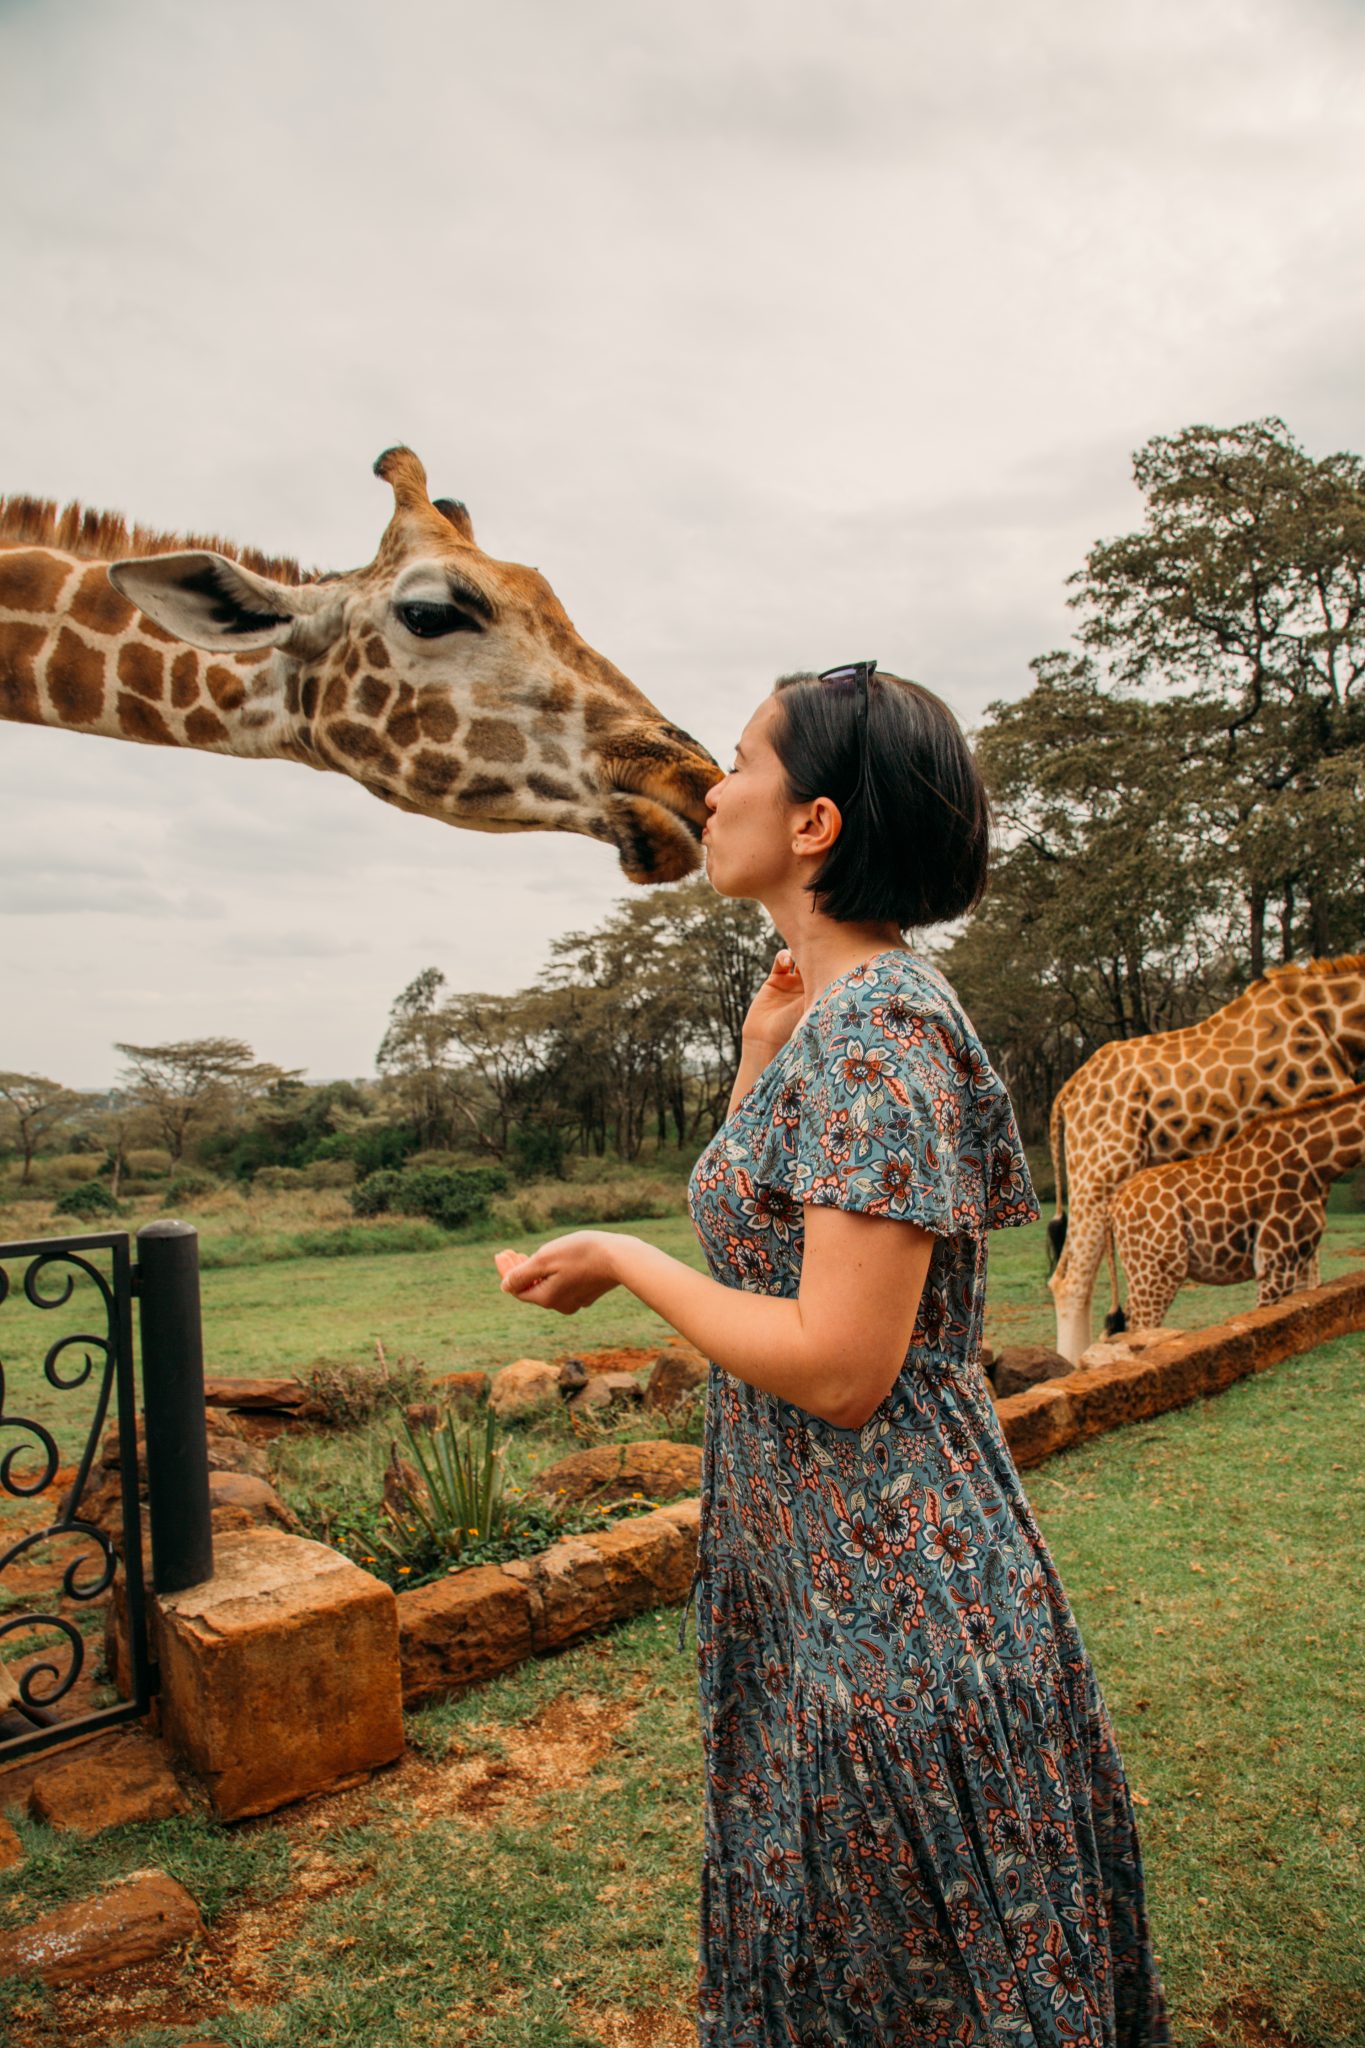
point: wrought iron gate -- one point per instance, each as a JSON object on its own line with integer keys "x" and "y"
{"x": 43, "y": 1653}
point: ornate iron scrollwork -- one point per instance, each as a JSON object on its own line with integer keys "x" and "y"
{"x": 35, "y": 1676}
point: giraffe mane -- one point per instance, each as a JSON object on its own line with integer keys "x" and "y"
{"x": 1344, "y": 963}
{"x": 107, "y": 537}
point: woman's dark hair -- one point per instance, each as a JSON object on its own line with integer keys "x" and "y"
{"x": 914, "y": 848}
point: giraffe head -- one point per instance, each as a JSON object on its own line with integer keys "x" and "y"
{"x": 446, "y": 682}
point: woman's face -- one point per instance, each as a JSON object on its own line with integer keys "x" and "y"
{"x": 748, "y": 835}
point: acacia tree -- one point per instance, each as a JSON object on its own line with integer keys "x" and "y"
{"x": 1244, "y": 593}
{"x": 31, "y": 1109}
{"x": 414, "y": 1055}
{"x": 194, "y": 1085}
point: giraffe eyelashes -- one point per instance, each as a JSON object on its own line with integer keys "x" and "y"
{"x": 431, "y": 621}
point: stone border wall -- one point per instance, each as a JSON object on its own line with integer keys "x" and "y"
{"x": 1086, "y": 1403}
{"x": 477, "y": 1622}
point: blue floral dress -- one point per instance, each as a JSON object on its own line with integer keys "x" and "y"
{"x": 917, "y": 1828}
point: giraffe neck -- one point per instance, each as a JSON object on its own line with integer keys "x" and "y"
{"x": 75, "y": 654}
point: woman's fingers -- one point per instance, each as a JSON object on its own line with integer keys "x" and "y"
{"x": 506, "y": 1261}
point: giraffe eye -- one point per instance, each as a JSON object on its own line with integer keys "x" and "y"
{"x": 434, "y": 621}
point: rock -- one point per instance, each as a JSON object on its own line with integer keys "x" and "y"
{"x": 988, "y": 1357}
{"x": 133, "y": 1921}
{"x": 128, "y": 1781}
{"x": 675, "y": 1373}
{"x": 1127, "y": 1344}
{"x": 1020, "y": 1366}
{"x": 285, "y": 1396}
{"x": 657, "y": 1468}
{"x": 573, "y": 1374}
{"x": 1038, "y": 1422}
{"x": 238, "y": 1500}
{"x": 279, "y": 1675}
{"x": 526, "y": 1387}
{"x": 607, "y": 1390}
{"x": 583, "y": 1583}
{"x": 457, "y": 1387}
{"x": 461, "y": 1629}
{"x": 11, "y": 1848}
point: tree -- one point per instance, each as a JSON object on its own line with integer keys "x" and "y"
{"x": 1244, "y": 592}
{"x": 31, "y": 1109}
{"x": 414, "y": 1055}
{"x": 195, "y": 1085}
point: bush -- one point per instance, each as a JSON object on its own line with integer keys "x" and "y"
{"x": 348, "y": 1391}
{"x": 449, "y": 1195}
{"x": 539, "y": 1152}
{"x": 186, "y": 1186}
{"x": 277, "y": 1179}
{"x": 148, "y": 1162}
{"x": 88, "y": 1200}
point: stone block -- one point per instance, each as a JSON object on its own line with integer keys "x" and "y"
{"x": 280, "y": 1396}
{"x": 1038, "y": 1423}
{"x": 1018, "y": 1367}
{"x": 133, "y": 1921}
{"x": 280, "y": 1674}
{"x": 461, "y": 1629}
{"x": 656, "y": 1468}
{"x": 526, "y": 1387}
{"x": 584, "y": 1583}
{"x": 123, "y": 1781}
{"x": 673, "y": 1375}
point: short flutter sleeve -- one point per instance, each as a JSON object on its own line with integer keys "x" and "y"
{"x": 894, "y": 1110}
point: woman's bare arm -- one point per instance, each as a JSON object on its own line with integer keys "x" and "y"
{"x": 837, "y": 1348}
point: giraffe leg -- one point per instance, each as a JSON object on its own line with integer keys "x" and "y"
{"x": 1073, "y": 1282}
{"x": 1153, "y": 1259}
{"x": 1287, "y": 1252}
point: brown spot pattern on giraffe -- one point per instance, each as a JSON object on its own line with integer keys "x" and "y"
{"x": 138, "y": 720}
{"x": 204, "y": 728}
{"x": 20, "y": 645}
{"x": 481, "y": 789}
{"x": 99, "y": 606}
{"x": 438, "y": 720}
{"x": 551, "y": 789}
{"x": 376, "y": 653}
{"x": 362, "y": 743}
{"x": 334, "y": 697}
{"x": 185, "y": 680}
{"x": 75, "y": 679}
{"x": 495, "y": 739}
{"x": 433, "y": 774}
{"x": 142, "y": 670}
{"x": 29, "y": 581}
{"x": 226, "y": 688}
{"x": 372, "y": 696}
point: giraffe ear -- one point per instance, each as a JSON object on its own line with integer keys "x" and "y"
{"x": 210, "y": 601}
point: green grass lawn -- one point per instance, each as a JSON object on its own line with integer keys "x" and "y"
{"x": 1212, "y": 1557}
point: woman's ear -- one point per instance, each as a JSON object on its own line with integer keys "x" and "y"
{"x": 819, "y": 828}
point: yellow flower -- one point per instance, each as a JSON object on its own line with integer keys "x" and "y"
{"x": 473, "y": 1532}
{"x": 404, "y": 1568}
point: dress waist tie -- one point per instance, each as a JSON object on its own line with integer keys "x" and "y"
{"x": 691, "y": 1596}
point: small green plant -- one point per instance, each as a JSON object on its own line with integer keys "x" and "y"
{"x": 186, "y": 1186}
{"x": 458, "y": 1490}
{"x": 88, "y": 1200}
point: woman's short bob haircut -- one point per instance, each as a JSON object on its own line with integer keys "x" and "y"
{"x": 914, "y": 848}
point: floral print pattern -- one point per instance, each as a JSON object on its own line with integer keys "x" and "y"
{"x": 917, "y": 1828}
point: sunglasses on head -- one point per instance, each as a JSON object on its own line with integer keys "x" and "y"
{"x": 854, "y": 675}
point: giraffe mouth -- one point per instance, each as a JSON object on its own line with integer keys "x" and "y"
{"x": 656, "y": 840}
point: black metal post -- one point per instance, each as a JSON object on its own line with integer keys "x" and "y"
{"x": 173, "y": 1405}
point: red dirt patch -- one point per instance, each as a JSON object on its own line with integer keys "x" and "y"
{"x": 1250, "y": 2023}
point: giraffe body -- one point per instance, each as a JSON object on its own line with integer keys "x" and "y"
{"x": 1296, "y": 1034}
{"x": 443, "y": 681}
{"x": 1252, "y": 1209}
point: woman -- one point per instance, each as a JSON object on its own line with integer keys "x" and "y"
{"x": 917, "y": 1825}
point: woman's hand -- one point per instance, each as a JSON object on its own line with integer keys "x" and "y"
{"x": 566, "y": 1274}
{"x": 776, "y": 1010}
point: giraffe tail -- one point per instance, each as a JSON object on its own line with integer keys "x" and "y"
{"x": 1056, "y": 1230}
{"x": 1116, "y": 1320}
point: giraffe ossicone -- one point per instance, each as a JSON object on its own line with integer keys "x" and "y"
{"x": 443, "y": 680}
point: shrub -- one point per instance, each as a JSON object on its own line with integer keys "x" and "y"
{"x": 348, "y": 1391}
{"x": 277, "y": 1179}
{"x": 449, "y": 1195}
{"x": 88, "y": 1200}
{"x": 148, "y": 1161}
{"x": 186, "y": 1185}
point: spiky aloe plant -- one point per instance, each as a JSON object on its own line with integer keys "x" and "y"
{"x": 461, "y": 1495}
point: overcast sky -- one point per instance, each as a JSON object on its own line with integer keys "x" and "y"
{"x": 774, "y": 334}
